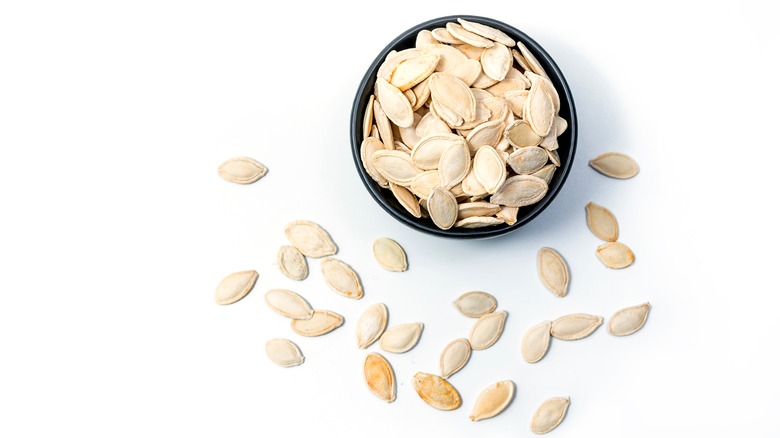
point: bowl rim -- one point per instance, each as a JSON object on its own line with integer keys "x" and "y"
{"x": 356, "y": 124}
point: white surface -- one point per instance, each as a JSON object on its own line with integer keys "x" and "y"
{"x": 116, "y": 229}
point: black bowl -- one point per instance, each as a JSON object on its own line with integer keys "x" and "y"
{"x": 567, "y": 142}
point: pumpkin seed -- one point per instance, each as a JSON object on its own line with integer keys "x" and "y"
{"x": 292, "y": 263}
{"x": 310, "y": 239}
{"x": 520, "y": 190}
{"x": 553, "y": 271}
{"x": 493, "y": 400}
{"x": 383, "y": 126}
{"x": 538, "y": 110}
{"x": 371, "y": 324}
{"x": 471, "y": 209}
{"x": 288, "y": 303}
{"x": 367, "y": 149}
{"x": 379, "y": 376}
{"x": 536, "y": 341}
{"x": 341, "y": 278}
{"x": 320, "y": 323}
{"x": 476, "y": 304}
{"x": 528, "y": 160}
{"x": 478, "y": 222}
{"x": 395, "y": 166}
{"x": 412, "y": 71}
{"x": 235, "y": 286}
{"x": 395, "y": 105}
{"x": 496, "y": 61}
{"x": 513, "y": 85}
{"x": 454, "y": 165}
{"x": 390, "y": 254}
{"x": 241, "y": 170}
{"x": 449, "y": 55}
{"x": 442, "y": 35}
{"x": 284, "y": 352}
{"x": 615, "y": 165}
{"x": 406, "y": 199}
{"x": 487, "y": 32}
{"x": 487, "y": 330}
{"x": 454, "y": 357}
{"x": 546, "y": 173}
{"x": 508, "y": 215}
{"x": 530, "y": 60}
{"x": 483, "y": 81}
{"x": 470, "y": 51}
{"x": 489, "y": 169}
{"x": 427, "y": 153}
{"x": 401, "y": 338}
{"x": 629, "y": 320}
{"x": 520, "y": 135}
{"x": 368, "y": 118}
{"x": 451, "y": 92}
{"x": 549, "y": 415}
{"x": 443, "y": 208}
{"x": 437, "y": 392}
{"x": 488, "y": 133}
{"x": 575, "y": 326}
{"x": 423, "y": 183}
{"x": 422, "y": 92}
{"x": 615, "y": 255}
{"x": 457, "y": 31}
{"x": 602, "y": 222}
{"x": 467, "y": 71}
{"x": 424, "y": 38}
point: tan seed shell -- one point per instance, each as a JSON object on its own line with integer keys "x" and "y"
{"x": 451, "y": 92}
{"x": 547, "y": 86}
{"x": 527, "y": 160}
{"x": 401, "y": 338}
{"x": 553, "y": 271}
{"x": 471, "y": 186}
{"x": 486, "y": 134}
{"x": 395, "y": 166}
{"x": 409, "y": 135}
{"x": 487, "y": 330}
{"x": 235, "y": 286}
{"x": 442, "y": 35}
{"x": 554, "y": 157}
{"x": 489, "y": 169}
{"x": 320, "y": 323}
{"x": 390, "y": 254}
{"x": 449, "y": 55}
{"x": 484, "y": 81}
{"x": 284, "y": 352}
{"x": 383, "y": 125}
{"x": 371, "y": 324}
{"x": 445, "y": 114}
{"x": 406, "y": 199}
{"x": 341, "y": 278}
{"x": 292, "y": 263}
{"x": 496, "y": 61}
{"x": 627, "y": 321}
{"x": 310, "y": 239}
{"x": 411, "y": 97}
{"x": 498, "y": 107}
{"x": 516, "y": 100}
{"x": 602, "y": 222}
{"x": 367, "y": 149}
{"x": 549, "y": 415}
{"x": 241, "y": 170}
{"x": 288, "y": 303}
{"x": 476, "y": 304}
{"x": 520, "y": 60}
{"x": 394, "y": 58}
{"x": 394, "y": 103}
{"x": 482, "y": 116}
{"x": 467, "y": 71}
{"x": 560, "y": 125}
{"x": 454, "y": 164}
{"x": 508, "y": 215}
{"x": 431, "y": 124}
{"x": 454, "y": 357}
{"x": 538, "y": 110}
{"x": 546, "y": 173}
{"x": 471, "y": 209}
{"x": 487, "y": 32}
{"x": 575, "y": 326}
{"x": 457, "y": 31}
{"x": 423, "y": 183}
{"x": 380, "y": 377}
{"x": 530, "y": 60}
{"x": 520, "y": 135}
{"x": 513, "y": 85}
{"x": 412, "y": 71}
{"x": 443, "y": 208}
{"x": 520, "y": 190}
{"x": 615, "y": 165}
{"x": 422, "y": 92}
{"x": 615, "y": 255}
{"x": 368, "y": 117}
{"x": 437, "y": 392}
{"x": 427, "y": 153}
{"x": 470, "y": 51}
{"x": 536, "y": 341}
{"x": 478, "y": 222}
{"x": 424, "y": 38}
{"x": 493, "y": 400}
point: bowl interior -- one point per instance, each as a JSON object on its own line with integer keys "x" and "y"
{"x": 567, "y": 141}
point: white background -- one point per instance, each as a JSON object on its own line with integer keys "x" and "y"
{"x": 116, "y": 228}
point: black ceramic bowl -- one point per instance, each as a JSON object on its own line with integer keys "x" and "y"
{"x": 567, "y": 142}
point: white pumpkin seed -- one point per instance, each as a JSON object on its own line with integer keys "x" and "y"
{"x": 427, "y": 153}
{"x": 483, "y": 115}
{"x": 368, "y": 118}
{"x": 320, "y": 323}
{"x": 554, "y": 157}
{"x": 390, "y": 254}
{"x": 241, "y": 170}
{"x": 409, "y": 135}
{"x": 380, "y": 377}
{"x": 449, "y": 55}
{"x": 527, "y": 160}
{"x": 516, "y": 101}
{"x": 483, "y": 81}
{"x": 371, "y": 324}
{"x": 401, "y": 338}
{"x": 508, "y": 215}
{"x": 476, "y": 304}
{"x": 341, "y": 278}
{"x": 454, "y": 357}
{"x": 549, "y": 415}
{"x": 443, "y": 208}
{"x": 310, "y": 239}
{"x": 395, "y": 166}
{"x": 520, "y": 191}
{"x": 292, "y": 263}
{"x": 383, "y": 126}
{"x": 470, "y": 51}
{"x": 288, "y": 303}
{"x": 442, "y": 35}
{"x": 615, "y": 165}
{"x": 394, "y": 103}
{"x": 424, "y": 38}
{"x": 489, "y": 169}
{"x": 536, "y": 341}
{"x": 423, "y": 183}
{"x": 496, "y": 61}
{"x": 615, "y": 255}
{"x": 471, "y": 209}
{"x": 437, "y": 392}
{"x": 457, "y": 31}
{"x": 412, "y": 71}
{"x": 471, "y": 186}
{"x": 629, "y": 320}
{"x": 493, "y": 400}
{"x": 602, "y": 222}
{"x": 513, "y": 85}
{"x": 487, "y": 330}
{"x": 235, "y": 286}
{"x": 478, "y": 222}
{"x": 538, "y": 110}
{"x": 467, "y": 71}
{"x": 530, "y": 60}
{"x": 454, "y": 164}
{"x": 284, "y": 352}
{"x": 394, "y": 58}
{"x": 575, "y": 326}
{"x": 367, "y": 149}
{"x": 487, "y": 32}
{"x": 422, "y": 92}
{"x": 546, "y": 173}
{"x": 406, "y": 199}
{"x": 486, "y": 134}
{"x": 553, "y": 271}
{"x": 520, "y": 135}
{"x": 451, "y": 92}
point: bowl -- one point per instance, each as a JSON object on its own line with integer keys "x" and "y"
{"x": 567, "y": 141}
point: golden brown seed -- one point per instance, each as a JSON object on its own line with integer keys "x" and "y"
{"x": 437, "y": 392}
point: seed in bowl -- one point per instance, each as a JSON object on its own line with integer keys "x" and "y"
{"x": 463, "y": 113}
